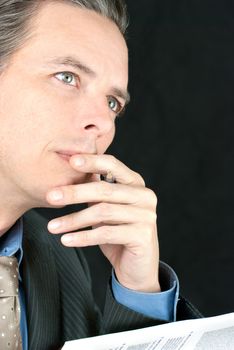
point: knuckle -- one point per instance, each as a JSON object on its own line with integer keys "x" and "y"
{"x": 153, "y": 217}
{"x": 104, "y": 211}
{"x": 71, "y": 194}
{"x": 139, "y": 179}
{"x": 106, "y": 189}
{"x": 72, "y": 220}
{"x": 151, "y": 195}
{"x": 86, "y": 237}
{"x": 67, "y": 221}
{"x": 107, "y": 234}
{"x": 114, "y": 161}
{"x": 148, "y": 235}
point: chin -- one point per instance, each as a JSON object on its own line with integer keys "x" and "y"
{"x": 68, "y": 180}
{"x": 36, "y": 194}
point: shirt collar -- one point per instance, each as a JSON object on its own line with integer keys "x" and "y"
{"x": 11, "y": 242}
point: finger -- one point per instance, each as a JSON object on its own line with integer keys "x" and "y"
{"x": 102, "y": 213}
{"x": 127, "y": 235}
{"x": 95, "y": 178}
{"x": 102, "y": 192}
{"x": 102, "y": 164}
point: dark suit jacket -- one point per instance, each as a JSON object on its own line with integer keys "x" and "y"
{"x": 59, "y": 300}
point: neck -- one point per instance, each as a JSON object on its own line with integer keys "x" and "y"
{"x": 9, "y": 215}
{"x": 12, "y": 207}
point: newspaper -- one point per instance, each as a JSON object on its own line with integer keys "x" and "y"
{"x": 211, "y": 333}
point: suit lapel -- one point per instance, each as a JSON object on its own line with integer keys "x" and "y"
{"x": 41, "y": 288}
{"x": 57, "y": 285}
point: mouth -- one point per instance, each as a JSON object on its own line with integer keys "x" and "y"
{"x": 66, "y": 155}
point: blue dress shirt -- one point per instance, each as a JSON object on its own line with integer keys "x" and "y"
{"x": 156, "y": 305}
{"x": 11, "y": 244}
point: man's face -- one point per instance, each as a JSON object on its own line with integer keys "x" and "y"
{"x": 59, "y": 96}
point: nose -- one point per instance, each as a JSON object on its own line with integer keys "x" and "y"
{"x": 96, "y": 118}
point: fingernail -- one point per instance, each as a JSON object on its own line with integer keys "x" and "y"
{"x": 66, "y": 239}
{"x": 56, "y": 195}
{"x": 54, "y": 224}
{"x": 79, "y": 161}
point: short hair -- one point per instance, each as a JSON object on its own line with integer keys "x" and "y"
{"x": 16, "y": 15}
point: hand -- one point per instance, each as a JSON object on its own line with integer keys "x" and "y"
{"x": 122, "y": 216}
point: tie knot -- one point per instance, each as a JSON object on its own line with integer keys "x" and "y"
{"x": 8, "y": 276}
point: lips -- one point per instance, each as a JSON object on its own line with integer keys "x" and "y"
{"x": 66, "y": 155}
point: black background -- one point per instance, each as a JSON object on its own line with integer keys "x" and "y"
{"x": 177, "y": 132}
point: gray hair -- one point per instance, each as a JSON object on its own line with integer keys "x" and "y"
{"x": 16, "y": 15}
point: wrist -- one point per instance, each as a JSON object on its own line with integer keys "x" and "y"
{"x": 152, "y": 285}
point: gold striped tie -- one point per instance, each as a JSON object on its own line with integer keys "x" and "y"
{"x": 10, "y": 338}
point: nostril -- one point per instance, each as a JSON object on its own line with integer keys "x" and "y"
{"x": 90, "y": 126}
{"x": 99, "y": 126}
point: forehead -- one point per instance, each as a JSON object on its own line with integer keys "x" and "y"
{"x": 64, "y": 29}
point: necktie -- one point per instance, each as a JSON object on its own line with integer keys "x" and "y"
{"x": 10, "y": 338}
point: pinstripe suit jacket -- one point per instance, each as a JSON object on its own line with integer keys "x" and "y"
{"x": 59, "y": 300}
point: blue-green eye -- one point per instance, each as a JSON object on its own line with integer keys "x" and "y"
{"x": 114, "y": 104}
{"x": 67, "y": 78}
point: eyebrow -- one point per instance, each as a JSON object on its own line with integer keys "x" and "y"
{"x": 75, "y": 63}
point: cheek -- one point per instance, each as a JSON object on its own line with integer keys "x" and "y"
{"x": 105, "y": 141}
{"x": 26, "y": 128}
{"x": 40, "y": 115}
